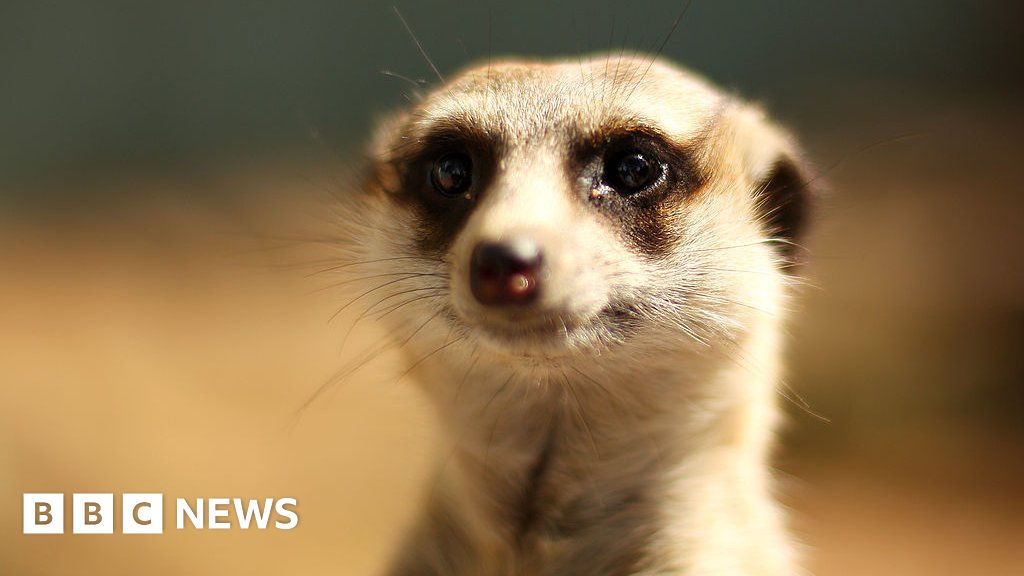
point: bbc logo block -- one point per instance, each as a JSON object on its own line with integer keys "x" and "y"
{"x": 92, "y": 514}
{"x": 142, "y": 513}
{"x": 43, "y": 513}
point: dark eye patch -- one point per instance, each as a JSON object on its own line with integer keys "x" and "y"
{"x": 636, "y": 176}
{"x": 441, "y": 177}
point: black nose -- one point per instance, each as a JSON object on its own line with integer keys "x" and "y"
{"x": 505, "y": 272}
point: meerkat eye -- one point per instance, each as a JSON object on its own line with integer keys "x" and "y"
{"x": 452, "y": 174}
{"x": 631, "y": 171}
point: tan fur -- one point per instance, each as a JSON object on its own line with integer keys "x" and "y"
{"x": 591, "y": 452}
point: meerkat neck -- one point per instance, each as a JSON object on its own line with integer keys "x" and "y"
{"x": 569, "y": 479}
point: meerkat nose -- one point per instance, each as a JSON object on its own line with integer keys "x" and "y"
{"x": 505, "y": 273}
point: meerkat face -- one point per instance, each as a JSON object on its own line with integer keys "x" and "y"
{"x": 547, "y": 209}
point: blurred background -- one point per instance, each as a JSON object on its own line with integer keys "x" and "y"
{"x": 157, "y": 336}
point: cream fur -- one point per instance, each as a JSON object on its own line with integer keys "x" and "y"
{"x": 593, "y": 453}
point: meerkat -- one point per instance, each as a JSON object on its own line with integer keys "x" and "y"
{"x": 587, "y": 264}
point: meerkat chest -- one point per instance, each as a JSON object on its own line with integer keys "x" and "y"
{"x": 575, "y": 512}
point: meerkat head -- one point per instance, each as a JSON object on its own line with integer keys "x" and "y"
{"x": 542, "y": 210}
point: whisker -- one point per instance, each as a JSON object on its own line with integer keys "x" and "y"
{"x": 348, "y": 264}
{"x": 405, "y": 276}
{"x": 364, "y": 294}
{"x": 748, "y": 245}
{"x": 367, "y": 311}
{"x": 419, "y": 46}
{"x": 341, "y": 375}
{"x": 465, "y": 377}
{"x": 438, "y": 293}
{"x": 425, "y": 357}
{"x": 415, "y": 83}
{"x": 783, "y": 388}
{"x": 421, "y": 326}
{"x": 725, "y": 300}
{"x": 661, "y": 47}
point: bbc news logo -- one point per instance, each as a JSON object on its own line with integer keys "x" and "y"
{"x": 144, "y": 513}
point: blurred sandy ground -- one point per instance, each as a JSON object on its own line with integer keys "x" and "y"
{"x": 160, "y": 348}
{"x": 158, "y": 345}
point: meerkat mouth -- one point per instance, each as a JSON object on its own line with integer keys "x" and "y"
{"x": 554, "y": 333}
{"x": 547, "y": 329}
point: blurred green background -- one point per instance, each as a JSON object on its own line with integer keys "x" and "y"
{"x": 134, "y": 134}
{"x": 106, "y": 86}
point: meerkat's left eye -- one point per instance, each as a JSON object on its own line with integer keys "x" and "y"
{"x": 452, "y": 174}
{"x": 631, "y": 171}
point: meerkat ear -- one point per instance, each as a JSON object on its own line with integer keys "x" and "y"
{"x": 784, "y": 202}
{"x": 381, "y": 151}
{"x": 783, "y": 184}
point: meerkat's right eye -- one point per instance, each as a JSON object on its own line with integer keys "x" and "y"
{"x": 631, "y": 171}
{"x": 452, "y": 174}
